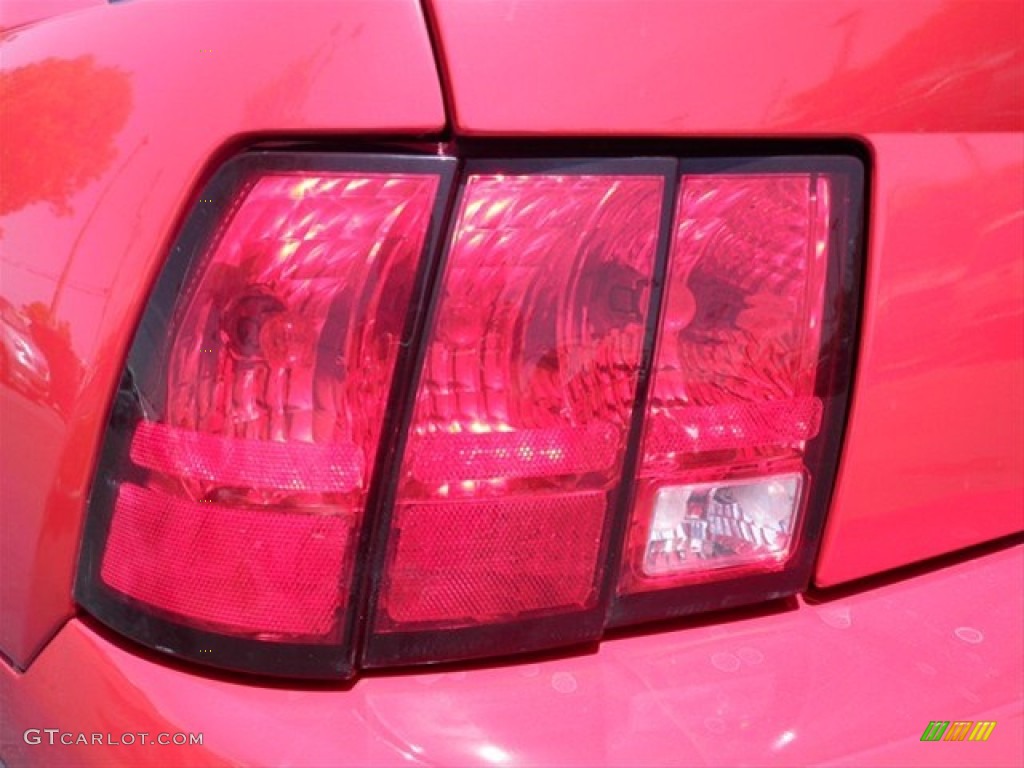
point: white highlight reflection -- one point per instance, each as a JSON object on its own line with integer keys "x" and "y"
{"x": 493, "y": 754}
{"x": 784, "y": 738}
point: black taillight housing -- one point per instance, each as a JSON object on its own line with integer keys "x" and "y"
{"x": 388, "y": 409}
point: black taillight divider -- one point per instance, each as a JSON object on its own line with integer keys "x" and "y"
{"x": 623, "y": 507}
{"x": 393, "y": 437}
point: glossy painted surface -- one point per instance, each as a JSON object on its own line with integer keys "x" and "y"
{"x": 934, "y": 458}
{"x": 16, "y": 13}
{"x": 747, "y": 67}
{"x": 851, "y": 681}
{"x": 934, "y": 453}
{"x": 110, "y": 116}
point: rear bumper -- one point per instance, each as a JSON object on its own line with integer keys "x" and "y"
{"x": 852, "y": 680}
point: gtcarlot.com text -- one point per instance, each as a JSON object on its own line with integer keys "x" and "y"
{"x": 54, "y": 736}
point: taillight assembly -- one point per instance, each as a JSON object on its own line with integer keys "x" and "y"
{"x": 385, "y": 410}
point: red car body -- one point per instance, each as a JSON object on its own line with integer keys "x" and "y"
{"x": 112, "y": 117}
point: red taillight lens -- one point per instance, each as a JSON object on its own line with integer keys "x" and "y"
{"x": 234, "y": 462}
{"x": 269, "y": 572}
{"x": 524, "y": 402}
{"x": 472, "y": 562}
{"x": 614, "y": 391}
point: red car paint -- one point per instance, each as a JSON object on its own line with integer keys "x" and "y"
{"x": 17, "y": 13}
{"x": 126, "y": 107}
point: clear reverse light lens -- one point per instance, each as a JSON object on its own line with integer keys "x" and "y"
{"x": 717, "y": 525}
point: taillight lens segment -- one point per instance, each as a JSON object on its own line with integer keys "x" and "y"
{"x": 613, "y": 392}
{"x": 524, "y": 401}
{"x": 280, "y": 367}
{"x": 732, "y": 402}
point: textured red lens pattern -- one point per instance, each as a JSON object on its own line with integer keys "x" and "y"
{"x": 453, "y": 458}
{"x": 230, "y": 461}
{"x": 279, "y": 370}
{"x": 733, "y": 426}
{"x": 527, "y": 388}
{"x": 293, "y": 330}
{"x": 264, "y": 573}
{"x": 743, "y": 307}
{"x": 734, "y": 374}
{"x": 545, "y": 276}
{"x": 498, "y": 558}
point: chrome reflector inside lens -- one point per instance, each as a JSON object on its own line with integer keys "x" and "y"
{"x": 722, "y": 524}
